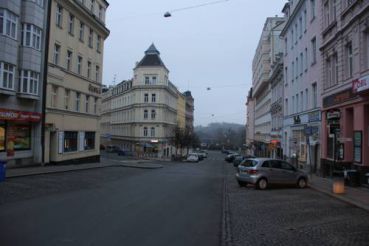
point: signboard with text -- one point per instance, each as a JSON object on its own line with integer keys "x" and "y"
{"x": 360, "y": 85}
{"x": 12, "y": 115}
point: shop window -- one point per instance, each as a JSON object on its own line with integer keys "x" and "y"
{"x": 19, "y": 135}
{"x": 70, "y": 141}
{"x": 2, "y": 136}
{"x": 89, "y": 140}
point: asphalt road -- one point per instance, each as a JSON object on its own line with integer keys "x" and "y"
{"x": 179, "y": 204}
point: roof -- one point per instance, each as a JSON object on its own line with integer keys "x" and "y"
{"x": 151, "y": 58}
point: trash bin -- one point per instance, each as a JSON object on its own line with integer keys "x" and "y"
{"x": 2, "y": 170}
{"x": 352, "y": 177}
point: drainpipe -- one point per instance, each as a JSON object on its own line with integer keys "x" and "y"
{"x": 46, "y": 61}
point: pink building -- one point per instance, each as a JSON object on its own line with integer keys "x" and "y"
{"x": 345, "y": 88}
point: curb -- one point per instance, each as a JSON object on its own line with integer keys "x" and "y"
{"x": 137, "y": 165}
{"x": 341, "y": 198}
{"x": 55, "y": 171}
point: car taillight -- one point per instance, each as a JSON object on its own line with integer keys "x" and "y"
{"x": 253, "y": 171}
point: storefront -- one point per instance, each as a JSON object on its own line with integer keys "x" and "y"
{"x": 344, "y": 138}
{"x": 18, "y": 138}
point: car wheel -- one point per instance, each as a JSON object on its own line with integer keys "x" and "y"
{"x": 262, "y": 184}
{"x": 301, "y": 183}
{"x": 242, "y": 184}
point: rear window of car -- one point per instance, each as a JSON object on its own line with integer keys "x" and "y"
{"x": 249, "y": 163}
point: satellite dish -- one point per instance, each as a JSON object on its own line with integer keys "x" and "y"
{"x": 167, "y": 14}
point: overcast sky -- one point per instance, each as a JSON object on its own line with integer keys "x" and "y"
{"x": 211, "y": 46}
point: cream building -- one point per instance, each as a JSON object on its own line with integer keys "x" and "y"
{"x": 140, "y": 115}
{"x": 181, "y": 111}
{"x": 75, "y": 64}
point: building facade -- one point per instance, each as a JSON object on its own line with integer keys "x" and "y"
{"x": 276, "y": 108}
{"x": 345, "y": 87}
{"x": 302, "y": 75}
{"x": 140, "y": 115}
{"x": 250, "y": 122}
{"x": 269, "y": 48}
{"x": 190, "y": 108}
{"x": 75, "y": 65}
{"x": 22, "y": 46}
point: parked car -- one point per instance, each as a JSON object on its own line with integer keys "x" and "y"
{"x": 230, "y": 157}
{"x": 193, "y": 158}
{"x": 265, "y": 171}
{"x": 202, "y": 153}
{"x": 237, "y": 160}
{"x": 112, "y": 148}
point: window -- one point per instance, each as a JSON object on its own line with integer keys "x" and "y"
{"x": 59, "y": 15}
{"x": 78, "y": 100}
{"x": 69, "y": 59}
{"x": 98, "y": 43}
{"x": 145, "y": 131}
{"x": 95, "y": 105}
{"x": 306, "y": 99}
{"x": 153, "y": 114}
{"x": 90, "y": 38}
{"x": 29, "y": 82}
{"x": 313, "y": 51}
{"x": 87, "y": 104}
{"x": 300, "y": 26}
{"x": 70, "y": 141}
{"x": 293, "y": 105}
{"x": 79, "y": 64}
{"x": 153, "y": 80}
{"x": 81, "y": 31}
{"x": 8, "y": 23}
{"x": 297, "y": 103}
{"x": 301, "y": 63}
{"x": 21, "y": 133}
{"x": 97, "y": 73}
{"x": 147, "y": 80}
{"x": 293, "y": 71}
{"x": 292, "y": 38}
{"x": 31, "y": 36}
{"x": 297, "y": 68}
{"x": 333, "y": 10}
{"x": 286, "y": 166}
{"x": 146, "y": 97}
{"x": 315, "y": 95}
{"x": 306, "y": 59}
{"x": 286, "y": 75}
{"x": 56, "y": 54}
{"x": 301, "y": 101}
{"x": 54, "y": 96}
{"x": 71, "y": 24}
{"x": 101, "y": 12}
{"x": 92, "y": 6}
{"x": 328, "y": 63}
{"x": 350, "y": 64}
{"x": 89, "y": 140}
{"x": 152, "y": 131}
{"x": 7, "y": 72}
{"x": 312, "y": 9}
{"x": 146, "y": 114}
{"x": 153, "y": 98}
{"x": 326, "y": 12}
{"x": 305, "y": 23}
{"x": 66, "y": 99}
{"x": 286, "y": 106}
{"x": 89, "y": 69}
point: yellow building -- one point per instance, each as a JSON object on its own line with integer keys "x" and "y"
{"x": 73, "y": 94}
{"x": 181, "y": 111}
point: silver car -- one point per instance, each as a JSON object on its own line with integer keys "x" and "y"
{"x": 264, "y": 171}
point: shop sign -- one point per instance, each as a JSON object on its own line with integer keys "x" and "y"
{"x": 94, "y": 89}
{"x": 12, "y": 115}
{"x": 333, "y": 114}
{"x": 358, "y": 136}
{"x": 359, "y": 85}
{"x": 338, "y": 98}
{"x": 314, "y": 116}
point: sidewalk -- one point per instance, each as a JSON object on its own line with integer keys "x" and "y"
{"x": 27, "y": 171}
{"x": 357, "y": 196}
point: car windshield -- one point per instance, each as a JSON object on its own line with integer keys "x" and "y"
{"x": 249, "y": 163}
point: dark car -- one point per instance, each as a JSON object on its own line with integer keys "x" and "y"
{"x": 229, "y": 158}
{"x": 237, "y": 160}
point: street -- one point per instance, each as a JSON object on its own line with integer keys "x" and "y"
{"x": 179, "y": 204}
